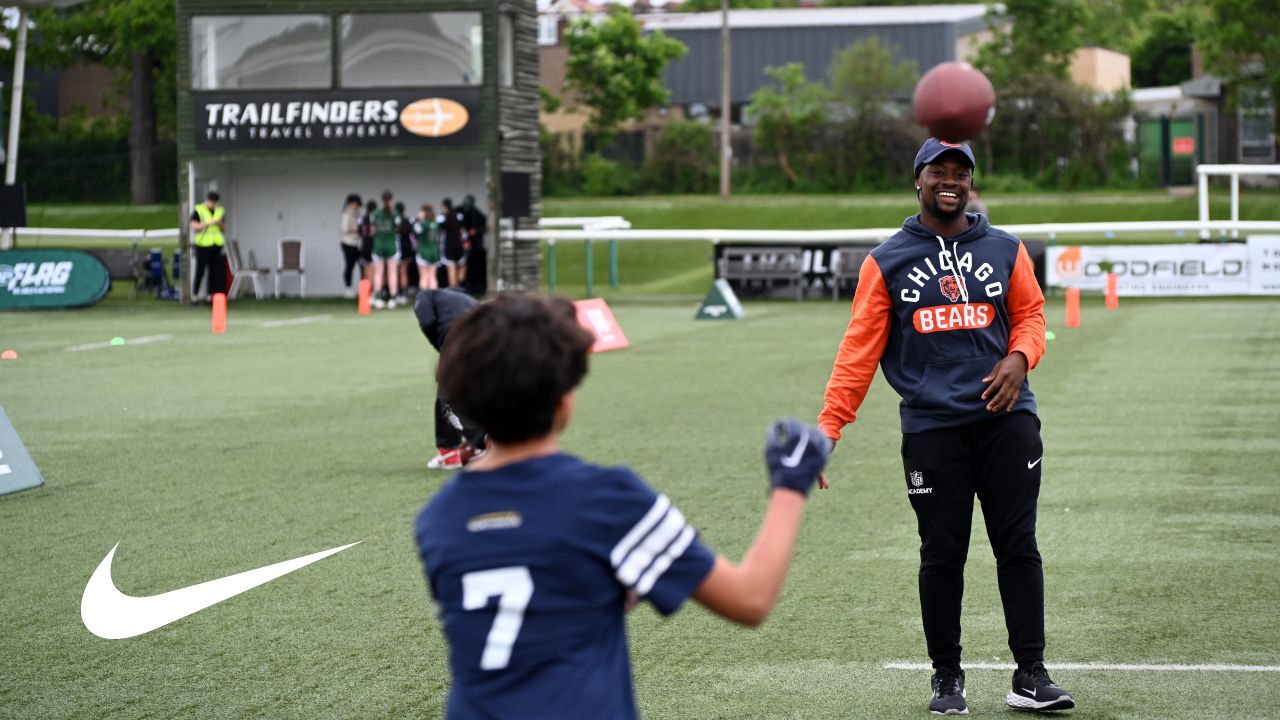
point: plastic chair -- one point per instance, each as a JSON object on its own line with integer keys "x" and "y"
{"x": 243, "y": 272}
{"x": 291, "y": 260}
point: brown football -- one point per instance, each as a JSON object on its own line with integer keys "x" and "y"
{"x": 955, "y": 101}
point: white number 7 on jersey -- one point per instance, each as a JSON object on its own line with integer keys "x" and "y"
{"x": 514, "y": 587}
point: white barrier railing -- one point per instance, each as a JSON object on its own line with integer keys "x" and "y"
{"x": 784, "y": 237}
{"x": 20, "y": 233}
{"x": 1234, "y": 171}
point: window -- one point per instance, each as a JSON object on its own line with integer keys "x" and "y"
{"x": 411, "y": 49}
{"x": 260, "y": 52}
{"x": 506, "y": 50}
{"x": 1257, "y": 118}
{"x": 548, "y": 29}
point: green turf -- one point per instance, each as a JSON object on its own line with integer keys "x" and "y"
{"x": 204, "y": 456}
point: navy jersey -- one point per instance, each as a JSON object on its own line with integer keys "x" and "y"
{"x": 530, "y": 565}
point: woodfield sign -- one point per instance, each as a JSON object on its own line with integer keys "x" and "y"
{"x": 390, "y": 117}
{"x": 35, "y": 279}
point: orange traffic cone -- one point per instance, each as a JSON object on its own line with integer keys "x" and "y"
{"x": 366, "y": 293}
{"x": 1073, "y": 307}
{"x": 219, "y": 313}
{"x": 1113, "y": 291}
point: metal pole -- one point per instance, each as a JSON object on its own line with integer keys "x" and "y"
{"x": 15, "y": 100}
{"x": 613, "y": 264}
{"x": 726, "y": 148}
{"x": 1204, "y": 202}
{"x": 1235, "y": 203}
{"x": 551, "y": 265}
{"x": 591, "y": 270}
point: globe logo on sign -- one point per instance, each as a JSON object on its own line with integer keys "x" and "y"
{"x": 6, "y": 275}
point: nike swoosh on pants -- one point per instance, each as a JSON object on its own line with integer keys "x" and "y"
{"x": 110, "y": 614}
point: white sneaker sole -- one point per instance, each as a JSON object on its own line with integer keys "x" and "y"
{"x": 950, "y": 712}
{"x": 1021, "y": 702}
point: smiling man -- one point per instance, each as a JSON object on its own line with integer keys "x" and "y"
{"x": 951, "y": 311}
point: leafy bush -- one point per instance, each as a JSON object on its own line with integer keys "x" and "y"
{"x": 682, "y": 159}
{"x": 601, "y": 176}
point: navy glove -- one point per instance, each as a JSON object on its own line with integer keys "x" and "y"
{"x": 795, "y": 454}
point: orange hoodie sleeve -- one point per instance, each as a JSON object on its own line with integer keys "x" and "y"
{"x": 1026, "y": 310}
{"x": 860, "y": 351}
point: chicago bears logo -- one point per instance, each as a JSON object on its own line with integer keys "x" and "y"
{"x": 950, "y": 287}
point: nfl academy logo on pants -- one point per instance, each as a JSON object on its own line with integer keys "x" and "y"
{"x": 917, "y": 479}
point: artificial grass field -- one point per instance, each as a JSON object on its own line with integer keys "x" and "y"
{"x": 204, "y": 456}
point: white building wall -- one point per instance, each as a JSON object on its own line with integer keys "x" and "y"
{"x": 268, "y": 200}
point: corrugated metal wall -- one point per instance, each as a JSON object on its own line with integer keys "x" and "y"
{"x": 696, "y": 77}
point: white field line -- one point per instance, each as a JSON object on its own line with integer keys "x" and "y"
{"x": 1110, "y": 667}
{"x": 305, "y": 320}
{"x": 128, "y": 341}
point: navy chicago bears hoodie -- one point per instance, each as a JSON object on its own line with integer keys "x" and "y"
{"x": 937, "y": 314}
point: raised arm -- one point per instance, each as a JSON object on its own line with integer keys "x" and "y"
{"x": 746, "y": 593}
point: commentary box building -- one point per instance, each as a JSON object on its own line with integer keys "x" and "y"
{"x": 286, "y": 107}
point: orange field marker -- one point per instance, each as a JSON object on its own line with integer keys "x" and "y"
{"x": 1113, "y": 291}
{"x": 366, "y": 294}
{"x": 219, "y": 313}
{"x": 1073, "y": 307}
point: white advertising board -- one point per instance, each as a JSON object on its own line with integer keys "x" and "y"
{"x": 1264, "y": 264}
{"x": 1154, "y": 270}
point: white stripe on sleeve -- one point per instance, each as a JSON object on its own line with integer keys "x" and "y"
{"x": 654, "y": 543}
{"x": 660, "y": 566}
{"x": 646, "y": 523}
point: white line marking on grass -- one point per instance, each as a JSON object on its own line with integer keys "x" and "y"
{"x": 128, "y": 341}
{"x": 305, "y": 320}
{"x": 1120, "y": 667}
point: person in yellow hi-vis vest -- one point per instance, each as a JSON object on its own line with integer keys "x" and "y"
{"x": 208, "y": 222}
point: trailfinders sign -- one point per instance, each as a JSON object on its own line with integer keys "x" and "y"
{"x": 395, "y": 117}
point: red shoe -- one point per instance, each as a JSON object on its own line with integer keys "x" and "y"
{"x": 447, "y": 460}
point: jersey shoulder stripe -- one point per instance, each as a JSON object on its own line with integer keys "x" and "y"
{"x": 675, "y": 550}
{"x": 628, "y": 542}
{"x": 654, "y": 544}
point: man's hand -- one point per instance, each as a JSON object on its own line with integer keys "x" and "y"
{"x": 795, "y": 454}
{"x": 1005, "y": 382}
{"x": 823, "y": 484}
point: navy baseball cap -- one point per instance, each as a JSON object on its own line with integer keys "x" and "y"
{"x": 933, "y": 148}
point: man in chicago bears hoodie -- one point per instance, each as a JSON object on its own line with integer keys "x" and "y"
{"x": 951, "y": 311}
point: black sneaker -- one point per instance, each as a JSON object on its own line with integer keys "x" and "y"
{"x": 948, "y": 692}
{"x": 1034, "y": 690}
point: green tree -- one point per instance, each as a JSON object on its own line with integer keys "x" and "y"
{"x": 1040, "y": 40}
{"x": 138, "y": 37}
{"x": 789, "y": 115}
{"x": 1163, "y": 55}
{"x": 1241, "y": 44}
{"x": 870, "y": 87}
{"x": 615, "y": 70}
{"x": 867, "y": 75}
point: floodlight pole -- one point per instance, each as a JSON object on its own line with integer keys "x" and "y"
{"x": 15, "y": 116}
{"x": 726, "y": 147}
{"x": 15, "y": 100}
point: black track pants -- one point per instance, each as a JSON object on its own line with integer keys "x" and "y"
{"x": 998, "y": 461}
{"x": 210, "y": 258}
{"x": 452, "y": 430}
